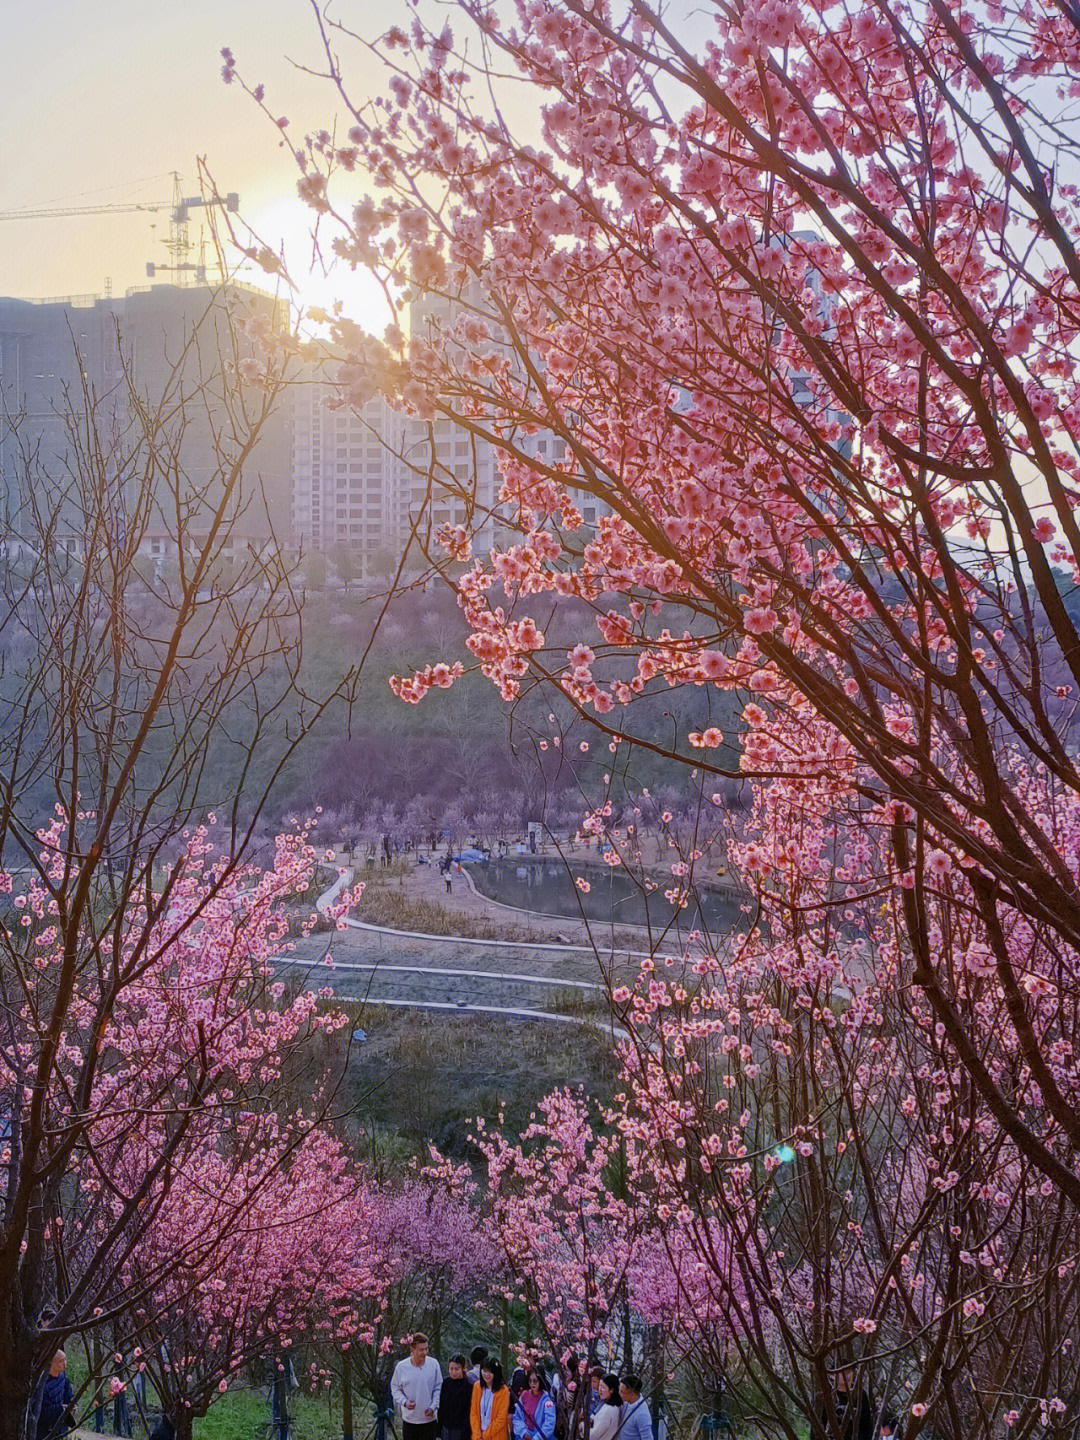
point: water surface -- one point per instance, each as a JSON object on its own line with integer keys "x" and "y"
{"x": 545, "y": 886}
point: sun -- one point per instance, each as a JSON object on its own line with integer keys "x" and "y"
{"x": 319, "y": 280}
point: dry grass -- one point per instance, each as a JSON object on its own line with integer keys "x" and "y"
{"x": 382, "y": 905}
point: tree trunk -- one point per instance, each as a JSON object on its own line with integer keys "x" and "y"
{"x": 346, "y": 1396}
{"x": 18, "y": 1374}
{"x": 183, "y": 1424}
{"x": 14, "y": 1398}
{"x": 658, "y": 1375}
{"x": 99, "y": 1385}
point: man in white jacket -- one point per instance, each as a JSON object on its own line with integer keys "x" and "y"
{"x": 415, "y": 1387}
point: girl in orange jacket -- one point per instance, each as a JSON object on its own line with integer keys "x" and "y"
{"x": 490, "y": 1417}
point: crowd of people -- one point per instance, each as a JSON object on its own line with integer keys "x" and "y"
{"x": 474, "y": 1401}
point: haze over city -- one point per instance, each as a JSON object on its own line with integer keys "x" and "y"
{"x": 540, "y": 769}
{"x": 132, "y": 93}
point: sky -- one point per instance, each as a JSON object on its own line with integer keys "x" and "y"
{"x": 101, "y": 102}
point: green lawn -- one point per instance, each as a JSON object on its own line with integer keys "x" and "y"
{"x": 245, "y": 1415}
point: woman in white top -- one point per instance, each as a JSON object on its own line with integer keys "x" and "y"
{"x": 605, "y": 1422}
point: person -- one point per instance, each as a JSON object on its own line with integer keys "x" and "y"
{"x": 604, "y": 1425}
{"x": 852, "y": 1407}
{"x": 593, "y": 1400}
{"x": 889, "y": 1428}
{"x": 490, "y": 1404}
{"x": 121, "y": 1420}
{"x": 164, "y": 1430}
{"x": 477, "y": 1356}
{"x": 415, "y": 1386}
{"x": 282, "y": 1383}
{"x": 53, "y": 1401}
{"x": 534, "y": 1415}
{"x": 635, "y": 1422}
{"x": 519, "y": 1379}
{"x": 455, "y": 1402}
{"x": 566, "y": 1390}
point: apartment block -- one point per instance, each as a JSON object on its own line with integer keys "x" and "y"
{"x": 347, "y": 488}
{"x": 164, "y": 342}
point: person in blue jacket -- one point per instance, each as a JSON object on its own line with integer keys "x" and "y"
{"x": 53, "y": 1402}
{"x": 534, "y": 1414}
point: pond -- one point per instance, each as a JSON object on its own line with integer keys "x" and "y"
{"x": 613, "y": 897}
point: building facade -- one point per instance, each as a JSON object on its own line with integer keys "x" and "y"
{"x": 65, "y": 363}
{"x": 354, "y": 485}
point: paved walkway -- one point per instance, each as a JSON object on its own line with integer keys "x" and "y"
{"x": 411, "y": 970}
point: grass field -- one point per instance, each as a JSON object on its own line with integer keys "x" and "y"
{"x": 245, "y": 1415}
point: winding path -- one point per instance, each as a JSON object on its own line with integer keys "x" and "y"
{"x": 426, "y": 1002}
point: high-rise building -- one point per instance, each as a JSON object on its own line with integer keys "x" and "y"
{"x": 322, "y": 477}
{"x": 345, "y": 491}
{"x": 177, "y": 348}
{"x": 464, "y": 471}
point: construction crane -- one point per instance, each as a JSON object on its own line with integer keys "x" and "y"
{"x": 179, "y": 243}
{"x": 79, "y": 210}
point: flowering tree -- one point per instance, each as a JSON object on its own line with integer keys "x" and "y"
{"x": 795, "y": 302}
{"x": 241, "y": 1260}
{"x": 137, "y": 696}
{"x": 567, "y": 1232}
{"x": 595, "y": 1250}
{"x": 194, "y": 1045}
{"x": 423, "y": 1256}
{"x": 840, "y": 1190}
